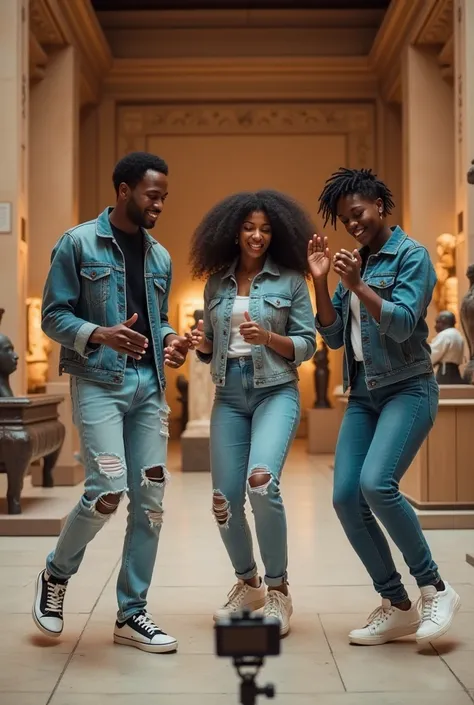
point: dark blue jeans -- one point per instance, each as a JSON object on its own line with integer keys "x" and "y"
{"x": 380, "y": 434}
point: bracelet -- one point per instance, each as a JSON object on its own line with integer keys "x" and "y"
{"x": 269, "y": 340}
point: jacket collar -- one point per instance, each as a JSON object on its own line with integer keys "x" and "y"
{"x": 269, "y": 267}
{"x": 392, "y": 245}
{"x": 104, "y": 229}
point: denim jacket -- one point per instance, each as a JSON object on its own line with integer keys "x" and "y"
{"x": 402, "y": 274}
{"x": 279, "y": 301}
{"x": 86, "y": 288}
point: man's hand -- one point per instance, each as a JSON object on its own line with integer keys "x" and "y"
{"x": 176, "y": 348}
{"x": 121, "y": 338}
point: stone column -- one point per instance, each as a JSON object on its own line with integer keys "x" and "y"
{"x": 54, "y": 196}
{"x": 428, "y": 154}
{"x": 13, "y": 178}
{"x": 464, "y": 135}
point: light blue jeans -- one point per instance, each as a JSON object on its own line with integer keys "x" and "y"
{"x": 252, "y": 430}
{"x": 381, "y": 432}
{"x": 124, "y": 437}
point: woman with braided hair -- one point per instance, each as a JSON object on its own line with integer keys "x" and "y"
{"x": 378, "y": 314}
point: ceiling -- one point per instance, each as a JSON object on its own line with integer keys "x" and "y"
{"x": 115, "y": 5}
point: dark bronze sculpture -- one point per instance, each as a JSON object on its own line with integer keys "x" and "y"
{"x": 321, "y": 377}
{"x": 29, "y": 429}
{"x": 8, "y": 365}
{"x": 182, "y": 385}
{"x": 467, "y": 321}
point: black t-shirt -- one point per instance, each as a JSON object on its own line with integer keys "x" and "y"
{"x": 133, "y": 248}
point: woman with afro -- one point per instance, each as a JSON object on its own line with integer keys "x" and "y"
{"x": 258, "y": 328}
{"x": 378, "y": 314}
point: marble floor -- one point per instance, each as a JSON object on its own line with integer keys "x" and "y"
{"x": 331, "y": 594}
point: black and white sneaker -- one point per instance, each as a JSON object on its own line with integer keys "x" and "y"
{"x": 141, "y": 632}
{"x": 48, "y": 605}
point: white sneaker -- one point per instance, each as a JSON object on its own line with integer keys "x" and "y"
{"x": 280, "y": 606}
{"x": 437, "y": 612}
{"x": 242, "y": 595}
{"x": 141, "y": 632}
{"x": 386, "y": 623}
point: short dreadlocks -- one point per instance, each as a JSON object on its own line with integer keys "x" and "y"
{"x": 347, "y": 182}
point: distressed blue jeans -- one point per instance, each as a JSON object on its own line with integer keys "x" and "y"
{"x": 381, "y": 432}
{"x": 251, "y": 433}
{"x": 124, "y": 436}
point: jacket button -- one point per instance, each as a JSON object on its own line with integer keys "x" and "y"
{"x": 225, "y": 332}
{"x": 372, "y": 383}
{"x": 221, "y": 381}
{"x": 255, "y": 286}
{"x": 93, "y": 275}
{"x": 278, "y": 302}
{"x": 382, "y": 283}
{"x": 117, "y": 379}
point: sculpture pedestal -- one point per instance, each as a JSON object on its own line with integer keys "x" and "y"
{"x": 29, "y": 430}
{"x": 68, "y": 472}
{"x": 195, "y": 447}
{"x": 440, "y": 481}
{"x": 323, "y": 429}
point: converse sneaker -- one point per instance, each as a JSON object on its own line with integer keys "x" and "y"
{"x": 48, "y": 605}
{"x": 279, "y": 606}
{"x": 386, "y": 623}
{"x": 437, "y": 610}
{"x": 242, "y": 595}
{"x": 141, "y": 632}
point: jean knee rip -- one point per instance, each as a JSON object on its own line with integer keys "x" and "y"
{"x": 149, "y": 480}
{"x": 261, "y": 472}
{"x": 106, "y": 505}
{"x": 164, "y": 421}
{"x": 221, "y": 509}
{"x": 110, "y": 465}
{"x": 155, "y": 517}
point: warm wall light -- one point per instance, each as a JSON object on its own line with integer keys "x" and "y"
{"x": 186, "y": 310}
{"x": 38, "y": 348}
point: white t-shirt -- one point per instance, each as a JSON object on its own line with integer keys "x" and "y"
{"x": 447, "y": 346}
{"x": 237, "y": 345}
{"x": 356, "y": 336}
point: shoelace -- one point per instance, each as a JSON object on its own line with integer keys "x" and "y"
{"x": 55, "y": 597}
{"x": 144, "y": 621}
{"x": 428, "y": 607}
{"x": 236, "y": 595}
{"x": 273, "y": 606}
{"x": 379, "y": 616}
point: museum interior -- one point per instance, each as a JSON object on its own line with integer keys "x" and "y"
{"x": 234, "y": 95}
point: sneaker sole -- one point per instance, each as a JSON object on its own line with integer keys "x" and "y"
{"x": 442, "y": 631}
{"x": 43, "y": 630}
{"x": 284, "y": 631}
{"x": 150, "y": 648}
{"x": 253, "y": 607}
{"x": 379, "y": 640}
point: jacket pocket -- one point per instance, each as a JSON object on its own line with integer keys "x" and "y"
{"x": 95, "y": 280}
{"x": 382, "y": 284}
{"x": 159, "y": 286}
{"x": 213, "y": 309}
{"x": 276, "y": 310}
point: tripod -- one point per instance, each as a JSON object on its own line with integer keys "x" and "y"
{"x": 248, "y": 667}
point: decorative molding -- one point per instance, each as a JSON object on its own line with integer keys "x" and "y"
{"x": 37, "y": 59}
{"x": 439, "y": 26}
{"x": 259, "y": 79}
{"x": 137, "y": 123}
{"x": 59, "y": 23}
{"x": 44, "y": 26}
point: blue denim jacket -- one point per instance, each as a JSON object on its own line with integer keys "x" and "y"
{"x": 280, "y": 302}
{"x": 402, "y": 274}
{"x": 86, "y": 288}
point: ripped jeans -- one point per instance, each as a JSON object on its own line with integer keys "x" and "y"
{"x": 124, "y": 438}
{"x": 251, "y": 433}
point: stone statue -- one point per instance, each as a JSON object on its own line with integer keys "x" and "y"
{"x": 445, "y": 295}
{"x": 8, "y": 365}
{"x": 201, "y": 387}
{"x": 470, "y": 174}
{"x": 467, "y": 320}
{"x": 321, "y": 375}
{"x": 38, "y": 348}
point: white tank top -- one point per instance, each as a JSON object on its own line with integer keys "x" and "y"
{"x": 237, "y": 345}
{"x": 356, "y": 337}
